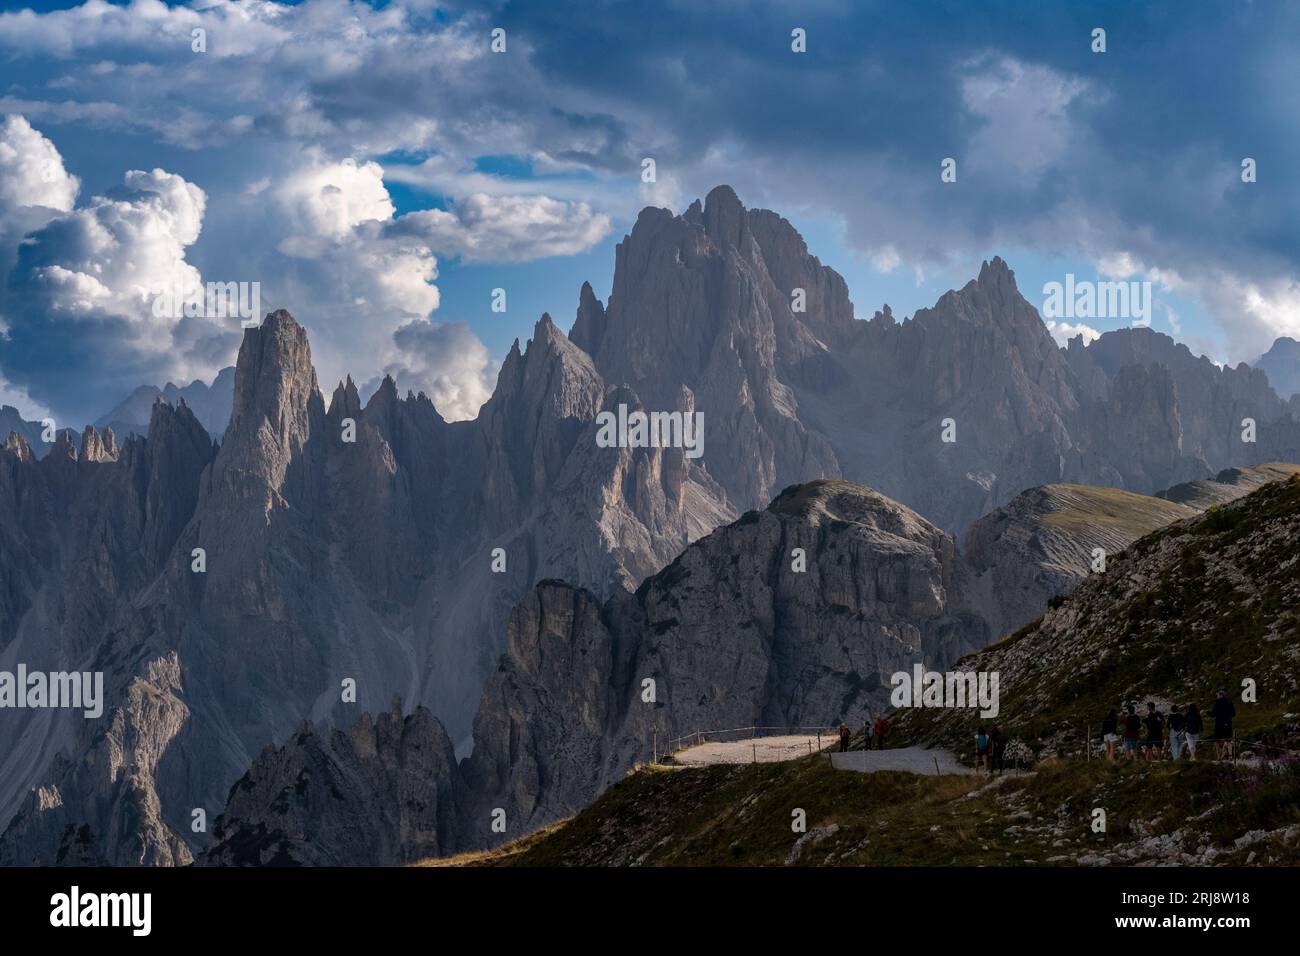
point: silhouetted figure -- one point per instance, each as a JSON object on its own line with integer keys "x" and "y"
{"x": 1223, "y": 712}
{"x": 1177, "y": 731}
{"x": 1192, "y": 731}
{"x": 999, "y": 744}
{"x": 1155, "y": 732}
{"x": 1132, "y": 731}
{"x": 844, "y": 738}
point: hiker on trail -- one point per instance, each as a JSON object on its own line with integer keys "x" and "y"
{"x": 1155, "y": 732}
{"x": 1223, "y": 712}
{"x": 1110, "y": 733}
{"x": 981, "y": 749}
{"x": 1132, "y": 731}
{"x": 882, "y": 728}
{"x": 1177, "y": 728}
{"x": 1192, "y": 734}
{"x": 999, "y": 744}
{"x": 844, "y": 738}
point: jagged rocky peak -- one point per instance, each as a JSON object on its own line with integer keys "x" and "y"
{"x": 589, "y": 324}
{"x": 97, "y": 448}
{"x": 17, "y": 446}
{"x": 1282, "y": 365}
{"x": 381, "y": 793}
{"x": 277, "y": 418}
{"x": 346, "y": 401}
{"x": 274, "y": 377}
{"x": 544, "y": 396}
{"x": 709, "y": 300}
{"x": 993, "y": 299}
{"x": 724, "y": 216}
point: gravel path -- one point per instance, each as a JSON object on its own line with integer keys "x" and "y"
{"x": 912, "y": 759}
{"x": 762, "y": 749}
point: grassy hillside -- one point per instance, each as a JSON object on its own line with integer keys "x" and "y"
{"x": 1081, "y": 507}
{"x": 741, "y": 816}
{"x": 1204, "y": 603}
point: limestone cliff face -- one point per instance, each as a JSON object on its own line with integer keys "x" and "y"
{"x": 740, "y": 630}
{"x": 96, "y": 528}
{"x": 349, "y": 545}
{"x": 694, "y": 305}
{"x": 380, "y": 793}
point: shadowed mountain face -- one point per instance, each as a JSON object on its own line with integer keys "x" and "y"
{"x": 728, "y": 303}
{"x": 1281, "y": 363}
{"x": 210, "y": 404}
{"x": 349, "y": 545}
{"x": 228, "y": 592}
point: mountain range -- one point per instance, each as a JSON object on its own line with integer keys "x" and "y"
{"x": 514, "y": 583}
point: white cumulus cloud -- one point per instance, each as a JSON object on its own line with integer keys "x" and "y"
{"x": 484, "y": 228}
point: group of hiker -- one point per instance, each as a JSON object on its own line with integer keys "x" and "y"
{"x": 1146, "y": 736}
{"x": 870, "y": 732}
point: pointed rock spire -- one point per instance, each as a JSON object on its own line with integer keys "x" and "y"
{"x": 17, "y": 446}
{"x": 589, "y": 325}
{"x": 724, "y": 216}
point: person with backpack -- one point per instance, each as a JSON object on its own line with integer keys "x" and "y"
{"x": 1223, "y": 712}
{"x": 1132, "y": 731}
{"x": 1177, "y": 727}
{"x": 844, "y": 737}
{"x": 981, "y": 749}
{"x": 1110, "y": 733}
{"x": 1155, "y": 732}
{"x": 1192, "y": 730}
{"x": 882, "y": 728}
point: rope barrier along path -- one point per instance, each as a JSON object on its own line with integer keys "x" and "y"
{"x": 752, "y": 744}
{"x": 699, "y": 737}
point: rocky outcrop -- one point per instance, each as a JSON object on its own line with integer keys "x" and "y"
{"x": 380, "y": 793}
{"x": 786, "y": 617}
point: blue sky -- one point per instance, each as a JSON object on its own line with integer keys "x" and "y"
{"x": 378, "y": 170}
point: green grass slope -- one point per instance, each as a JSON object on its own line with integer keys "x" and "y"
{"x": 1203, "y": 813}
{"x": 1204, "y": 603}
